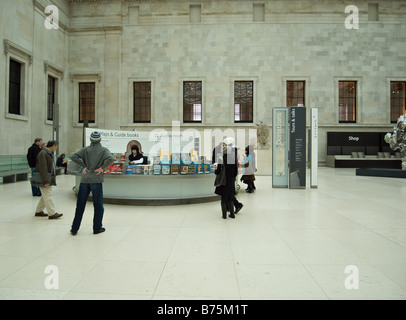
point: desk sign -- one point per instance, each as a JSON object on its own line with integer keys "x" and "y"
{"x": 314, "y": 146}
{"x": 280, "y": 135}
{"x": 297, "y": 147}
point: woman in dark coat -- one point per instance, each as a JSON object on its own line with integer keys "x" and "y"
{"x": 227, "y": 191}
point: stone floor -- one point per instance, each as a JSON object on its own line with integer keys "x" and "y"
{"x": 344, "y": 240}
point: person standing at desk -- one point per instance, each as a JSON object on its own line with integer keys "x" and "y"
{"x": 135, "y": 157}
{"x": 94, "y": 159}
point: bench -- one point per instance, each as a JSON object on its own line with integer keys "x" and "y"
{"x": 371, "y": 161}
{"x": 59, "y": 170}
{"x": 14, "y": 168}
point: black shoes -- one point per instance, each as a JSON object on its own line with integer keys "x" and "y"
{"x": 100, "y": 231}
{"x": 74, "y": 233}
{"x": 238, "y": 208}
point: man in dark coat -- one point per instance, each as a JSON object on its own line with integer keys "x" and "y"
{"x": 227, "y": 191}
{"x": 46, "y": 168}
{"x": 32, "y": 154}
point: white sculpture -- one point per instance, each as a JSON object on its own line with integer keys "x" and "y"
{"x": 397, "y": 139}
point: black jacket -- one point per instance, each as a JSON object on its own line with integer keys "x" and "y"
{"x": 231, "y": 173}
{"x": 138, "y": 156}
{"x": 32, "y": 154}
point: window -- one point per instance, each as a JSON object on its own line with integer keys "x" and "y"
{"x": 195, "y": 13}
{"x": 51, "y": 98}
{"x": 14, "y": 98}
{"x": 142, "y": 102}
{"x": 373, "y": 12}
{"x": 397, "y": 100}
{"x": 17, "y": 80}
{"x": 243, "y": 101}
{"x": 347, "y": 101}
{"x": 192, "y": 101}
{"x": 259, "y": 12}
{"x": 295, "y": 93}
{"x": 87, "y": 102}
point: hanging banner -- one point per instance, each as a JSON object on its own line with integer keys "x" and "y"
{"x": 314, "y": 147}
{"x": 297, "y": 147}
{"x": 150, "y": 143}
{"x": 280, "y": 134}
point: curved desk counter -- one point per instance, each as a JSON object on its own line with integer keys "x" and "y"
{"x": 156, "y": 190}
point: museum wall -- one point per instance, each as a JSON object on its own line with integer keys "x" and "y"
{"x": 42, "y": 52}
{"x": 167, "y": 42}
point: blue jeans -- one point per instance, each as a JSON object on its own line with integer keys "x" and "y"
{"x": 35, "y": 190}
{"x": 83, "y": 195}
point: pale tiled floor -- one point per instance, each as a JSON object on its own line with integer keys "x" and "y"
{"x": 285, "y": 244}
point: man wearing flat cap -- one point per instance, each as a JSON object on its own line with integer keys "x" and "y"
{"x": 94, "y": 159}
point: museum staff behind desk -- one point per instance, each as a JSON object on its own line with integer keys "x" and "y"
{"x": 156, "y": 189}
{"x": 135, "y": 157}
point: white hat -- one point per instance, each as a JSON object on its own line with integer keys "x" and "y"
{"x": 229, "y": 141}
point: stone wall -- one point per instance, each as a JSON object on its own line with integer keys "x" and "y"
{"x": 124, "y": 41}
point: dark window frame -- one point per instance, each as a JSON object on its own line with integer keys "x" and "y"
{"x": 51, "y": 97}
{"x": 347, "y": 101}
{"x": 192, "y": 96}
{"x": 244, "y": 98}
{"x": 87, "y": 101}
{"x": 295, "y": 94}
{"x": 397, "y": 100}
{"x": 14, "y": 97}
{"x": 142, "y": 93}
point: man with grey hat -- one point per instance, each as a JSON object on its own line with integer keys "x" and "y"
{"x": 94, "y": 159}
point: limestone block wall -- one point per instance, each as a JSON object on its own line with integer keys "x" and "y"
{"x": 43, "y": 52}
{"x": 119, "y": 42}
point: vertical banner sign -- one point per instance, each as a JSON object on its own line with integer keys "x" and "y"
{"x": 314, "y": 147}
{"x": 55, "y": 126}
{"x": 280, "y": 134}
{"x": 297, "y": 147}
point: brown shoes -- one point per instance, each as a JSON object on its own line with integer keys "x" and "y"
{"x": 55, "y": 216}
{"x": 41, "y": 214}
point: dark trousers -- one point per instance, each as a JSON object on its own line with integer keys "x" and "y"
{"x": 83, "y": 195}
{"x": 35, "y": 190}
{"x": 227, "y": 205}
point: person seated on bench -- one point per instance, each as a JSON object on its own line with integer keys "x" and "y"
{"x": 61, "y": 162}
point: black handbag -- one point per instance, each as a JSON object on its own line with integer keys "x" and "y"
{"x": 221, "y": 178}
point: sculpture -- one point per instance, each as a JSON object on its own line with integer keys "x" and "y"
{"x": 263, "y": 136}
{"x": 397, "y": 139}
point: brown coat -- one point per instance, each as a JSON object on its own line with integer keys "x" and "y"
{"x": 45, "y": 165}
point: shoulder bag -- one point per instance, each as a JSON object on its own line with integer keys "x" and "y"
{"x": 221, "y": 177}
{"x": 36, "y": 180}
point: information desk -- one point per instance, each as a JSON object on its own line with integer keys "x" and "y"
{"x": 156, "y": 190}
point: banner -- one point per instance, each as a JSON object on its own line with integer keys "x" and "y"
{"x": 297, "y": 148}
{"x": 314, "y": 147}
{"x": 280, "y": 135}
{"x": 150, "y": 143}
